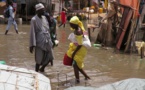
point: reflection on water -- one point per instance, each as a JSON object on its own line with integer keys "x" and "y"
{"x": 103, "y": 66}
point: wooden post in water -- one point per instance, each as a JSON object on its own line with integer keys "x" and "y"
{"x": 142, "y": 52}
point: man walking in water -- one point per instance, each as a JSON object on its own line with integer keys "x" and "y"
{"x": 40, "y": 39}
{"x": 11, "y": 19}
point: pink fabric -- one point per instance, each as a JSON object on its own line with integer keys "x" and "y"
{"x": 63, "y": 17}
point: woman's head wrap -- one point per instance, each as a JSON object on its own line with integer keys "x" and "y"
{"x": 75, "y": 20}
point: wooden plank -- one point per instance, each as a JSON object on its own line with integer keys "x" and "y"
{"x": 135, "y": 27}
{"x": 123, "y": 19}
{"x": 130, "y": 35}
{"x": 124, "y": 28}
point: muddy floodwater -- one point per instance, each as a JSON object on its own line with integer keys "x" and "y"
{"x": 102, "y": 65}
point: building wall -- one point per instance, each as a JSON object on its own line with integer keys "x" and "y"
{"x": 29, "y": 6}
{"x": 2, "y": 7}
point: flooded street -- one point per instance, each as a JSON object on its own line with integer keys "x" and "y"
{"x": 102, "y": 65}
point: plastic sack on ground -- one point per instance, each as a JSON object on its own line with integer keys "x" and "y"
{"x": 128, "y": 84}
{"x": 81, "y": 88}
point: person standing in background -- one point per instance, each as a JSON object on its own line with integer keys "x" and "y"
{"x": 11, "y": 18}
{"x": 63, "y": 17}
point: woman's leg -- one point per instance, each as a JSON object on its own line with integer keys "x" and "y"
{"x": 84, "y": 73}
{"x": 76, "y": 72}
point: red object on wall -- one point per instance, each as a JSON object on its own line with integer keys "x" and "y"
{"x": 132, "y": 3}
{"x": 67, "y": 60}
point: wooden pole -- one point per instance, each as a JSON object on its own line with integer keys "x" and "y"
{"x": 130, "y": 33}
{"x": 135, "y": 27}
{"x": 26, "y": 11}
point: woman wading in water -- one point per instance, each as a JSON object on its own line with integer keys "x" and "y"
{"x": 77, "y": 51}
